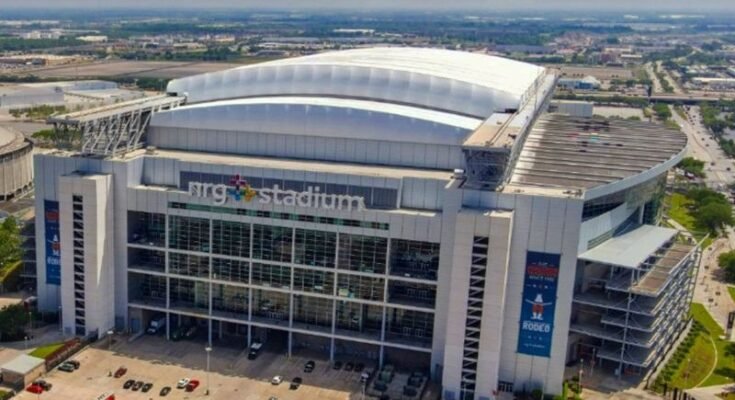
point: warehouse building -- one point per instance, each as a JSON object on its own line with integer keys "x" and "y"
{"x": 418, "y": 207}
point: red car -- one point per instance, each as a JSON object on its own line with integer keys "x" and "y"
{"x": 37, "y": 389}
{"x": 120, "y": 372}
{"x": 193, "y": 384}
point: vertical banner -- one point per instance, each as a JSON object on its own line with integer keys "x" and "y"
{"x": 53, "y": 247}
{"x": 539, "y": 304}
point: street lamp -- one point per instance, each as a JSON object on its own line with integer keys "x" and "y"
{"x": 61, "y": 321}
{"x": 208, "y": 349}
{"x": 25, "y": 341}
{"x": 109, "y": 339}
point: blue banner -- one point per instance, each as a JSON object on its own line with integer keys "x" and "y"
{"x": 539, "y": 304}
{"x": 53, "y": 246}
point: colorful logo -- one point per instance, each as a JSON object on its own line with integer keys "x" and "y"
{"x": 240, "y": 190}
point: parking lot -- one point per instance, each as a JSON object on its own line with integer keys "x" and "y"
{"x": 153, "y": 359}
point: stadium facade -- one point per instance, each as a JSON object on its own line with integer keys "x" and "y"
{"x": 418, "y": 207}
{"x": 16, "y": 164}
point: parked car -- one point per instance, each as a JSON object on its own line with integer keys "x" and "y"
{"x": 137, "y": 385}
{"x": 74, "y": 363}
{"x": 45, "y": 385}
{"x": 359, "y": 367}
{"x": 349, "y": 366}
{"x": 182, "y": 383}
{"x": 129, "y": 383}
{"x": 120, "y": 372}
{"x": 35, "y": 389}
{"x": 295, "y": 383}
{"x": 277, "y": 380}
{"x": 66, "y": 367}
{"x": 337, "y": 365}
{"x": 146, "y": 387}
{"x": 165, "y": 391}
{"x": 193, "y": 384}
{"x": 309, "y": 366}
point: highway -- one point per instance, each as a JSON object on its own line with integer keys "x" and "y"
{"x": 703, "y": 146}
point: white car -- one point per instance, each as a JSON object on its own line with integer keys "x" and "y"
{"x": 277, "y": 380}
{"x": 182, "y": 383}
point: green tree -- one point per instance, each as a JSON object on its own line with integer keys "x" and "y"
{"x": 726, "y": 261}
{"x": 693, "y": 166}
{"x": 714, "y": 216}
{"x": 9, "y": 241}
{"x": 13, "y": 320}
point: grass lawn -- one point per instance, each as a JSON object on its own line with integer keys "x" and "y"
{"x": 678, "y": 206}
{"x": 695, "y": 368}
{"x": 725, "y": 369}
{"x": 45, "y": 351}
{"x": 731, "y": 290}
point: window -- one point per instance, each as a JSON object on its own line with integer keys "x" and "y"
{"x": 271, "y": 275}
{"x": 270, "y": 305}
{"x": 360, "y": 287}
{"x": 188, "y": 265}
{"x": 413, "y": 294}
{"x": 414, "y": 259}
{"x": 315, "y": 248}
{"x": 230, "y": 270}
{"x": 147, "y": 289}
{"x": 186, "y": 233}
{"x": 230, "y": 301}
{"x": 146, "y": 228}
{"x": 190, "y": 295}
{"x": 308, "y": 280}
{"x": 231, "y": 238}
{"x": 314, "y": 312}
{"x": 409, "y": 325}
{"x": 363, "y": 318}
{"x": 150, "y": 260}
{"x": 362, "y": 253}
{"x": 272, "y": 243}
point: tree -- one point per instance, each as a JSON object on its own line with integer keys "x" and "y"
{"x": 13, "y": 320}
{"x": 714, "y": 216}
{"x": 693, "y": 166}
{"x": 9, "y": 241}
{"x": 726, "y": 261}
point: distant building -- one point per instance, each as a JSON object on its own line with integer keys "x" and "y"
{"x": 93, "y": 38}
{"x": 587, "y": 83}
{"x": 715, "y": 83}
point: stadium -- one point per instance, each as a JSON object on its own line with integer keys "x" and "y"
{"x": 16, "y": 164}
{"x": 415, "y": 207}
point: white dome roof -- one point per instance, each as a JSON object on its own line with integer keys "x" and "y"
{"x": 452, "y": 81}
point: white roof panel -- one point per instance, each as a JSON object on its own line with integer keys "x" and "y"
{"x": 630, "y": 249}
{"x": 325, "y": 117}
{"x": 454, "y": 81}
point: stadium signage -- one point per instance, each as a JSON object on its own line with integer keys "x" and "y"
{"x": 240, "y": 191}
{"x": 539, "y": 304}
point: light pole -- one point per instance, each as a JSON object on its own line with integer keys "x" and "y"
{"x": 581, "y": 369}
{"x": 25, "y": 342}
{"x": 208, "y": 349}
{"x": 61, "y": 321}
{"x": 109, "y": 339}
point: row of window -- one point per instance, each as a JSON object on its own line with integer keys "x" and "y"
{"x": 268, "y": 306}
{"x": 304, "y": 280}
{"x": 306, "y": 247}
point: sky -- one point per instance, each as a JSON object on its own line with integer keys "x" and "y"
{"x": 606, "y": 5}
